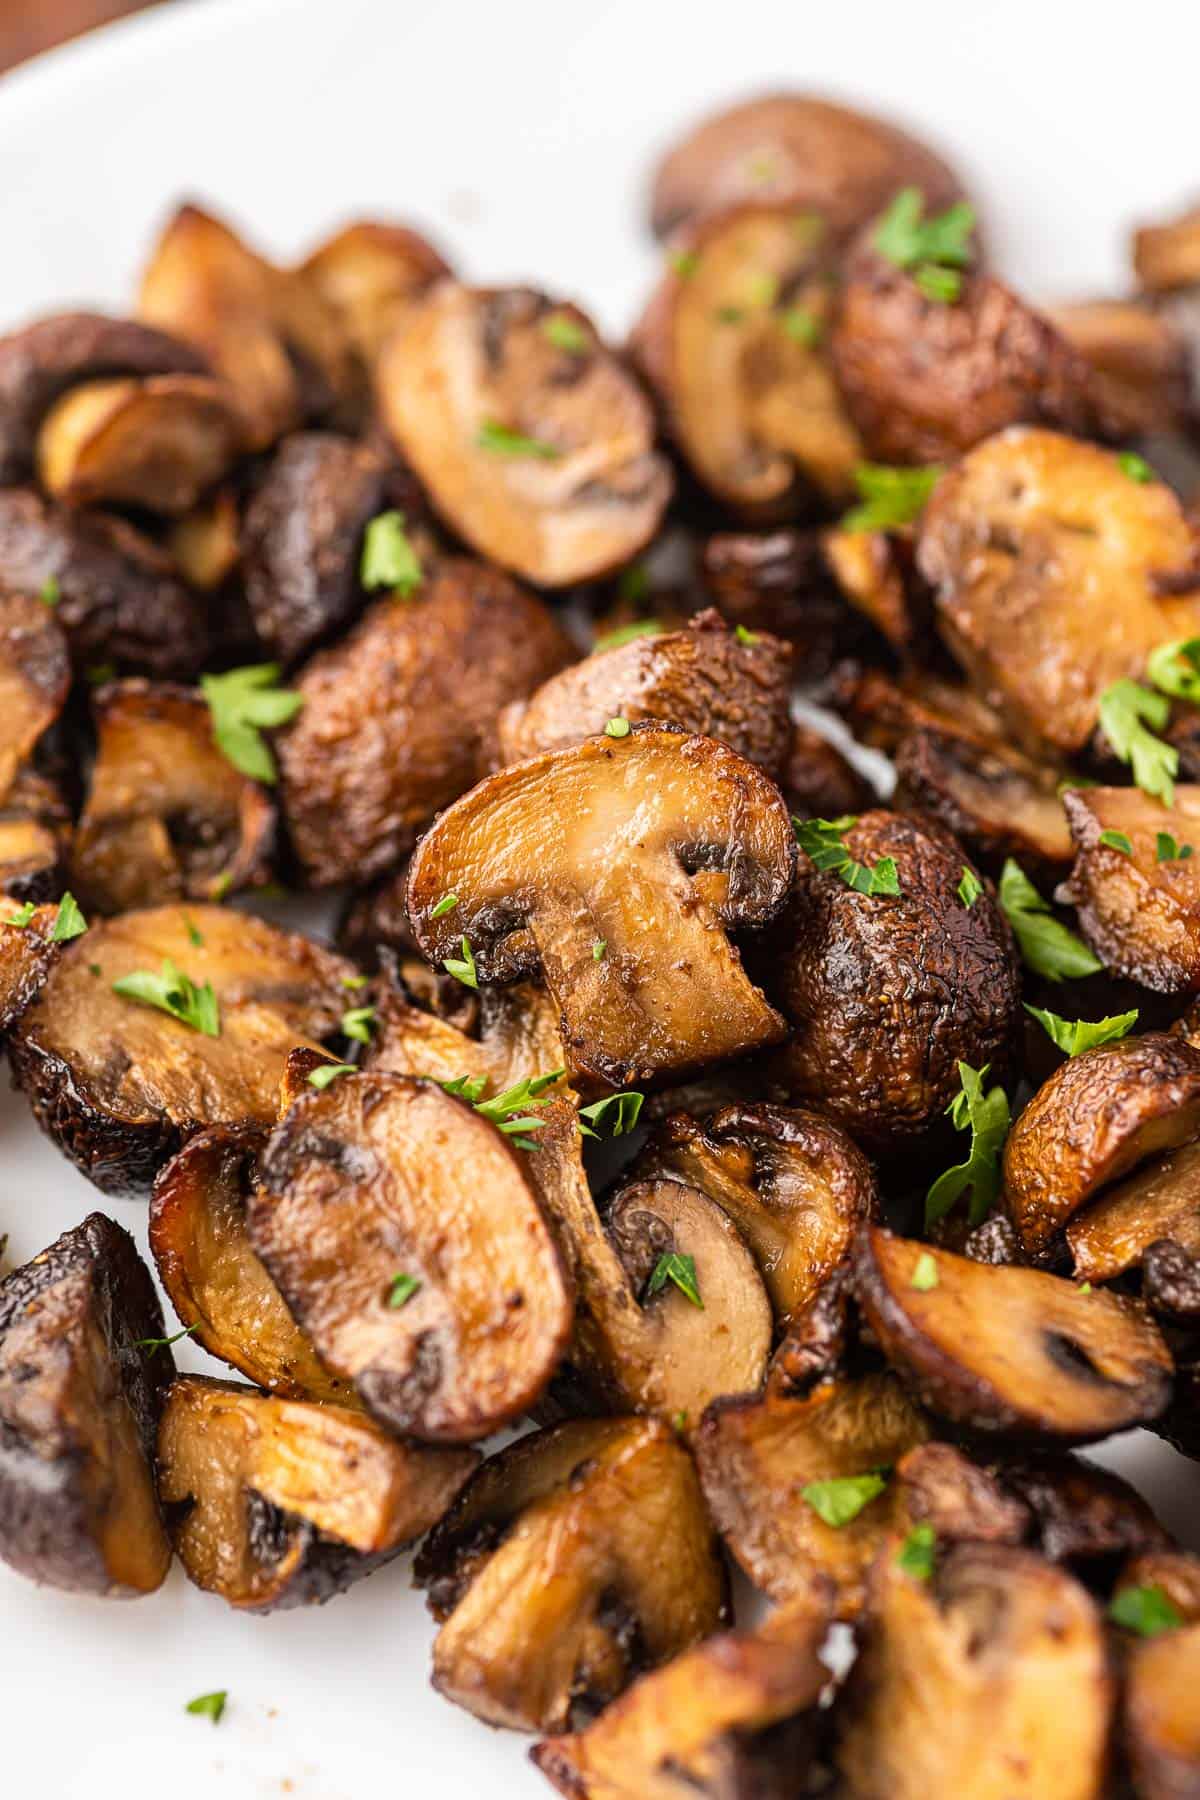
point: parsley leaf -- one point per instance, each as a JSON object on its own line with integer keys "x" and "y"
{"x": 617, "y": 728}
{"x": 821, "y": 840}
{"x": 357, "y": 1022}
{"x": 744, "y": 636}
{"x": 942, "y": 286}
{"x": 1046, "y": 944}
{"x": 889, "y": 497}
{"x": 1117, "y": 840}
{"x": 841, "y": 1498}
{"x": 1126, "y": 710}
{"x": 1169, "y": 849}
{"x": 625, "y": 634}
{"x": 446, "y": 904}
{"x": 353, "y": 982}
{"x": 916, "y": 1555}
{"x": 633, "y": 583}
{"x": 1175, "y": 668}
{"x": 195, "y": 935}
{"x": 154, "y": 1345}
{"x": 463, "y": 968}
{"x": 1144, "y": 1610}
{"x": 969, "y": 888}
{"x": 22, "y": 915}
{"x": 1076, "y": 1035}
{"x": 327, "y": 1072}
{"x": 1135, "y": 466}
{"x": 599, "y": 948}
{"x": 683, "y": 263}
{"x": 50, "y": 593}
{"x": 176, "y": 994}
{"x": 925, "y": 1273}
{"x": 617, "y": 1114}
{"x": 401, "y": 1290}
{"x": 505, "y": 1111}
{"x": 500, "y": 441}
{"x": 466, "y": 1087}
{"x": 388, "y": 558}
{"x": 671, "y": 1266}
{"x": 986, "y": 1116}
{"x": 243, "y": 704}
{"x": 934, "y": 249}
{"x": 565, "y": 333}
{"x": 209, "y": 1706}
{"x": 802, "y": 326}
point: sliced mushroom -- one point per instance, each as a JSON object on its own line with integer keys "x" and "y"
{"x": 731, "y": 342}
{"x": 206, "y": 543}
{"x": 1098, "y": 1116}
{"x": 27, "y": 955}
{"x": 83, "y": 1375}
{"x": 276, "y": 1503}
{"x": 757, "y": 1456}
{"x": 818, "y": 782}
{"x": 1157, "y": 1203}
{"x": 1139, "y": 908}
{"x": 400, "y": 717}
{"x": 30, "y": 858}
{"x": 943, "y": 1491}
{"x": 537, "y": 451}
{"x": 119, "y": 1085}
{"x": 1082, "y": 1514}
{"x": 872, "y": 570}
{"x": 158, "y": 444}
{"x": 842, "y": 164}
{"x": 990, "y": 1679}
{"x": 704, "y": 678}
{"x": 994, "y": 800}
{"x": 1137, "y": 360}
{"x": 167, "y": 816}
{"x": 1049, "y": 562}
{"x": 649, "y": 841}
{"x": 35, "y": 674}
{"x": 574, "y": 1560}
{"x": 1161, "y": 1730}
{"x": 886, "y": 994}
{"x": 370, "y": 273}
{"x": 1011, "y": 1350}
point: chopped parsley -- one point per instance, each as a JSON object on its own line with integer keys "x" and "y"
{"x": 69, "y": 922}
{"x": 357, "y": 1022}
{"x": 917, "y": 1554}
{"x": 463, "y": 968}
{"x": 507, "y": 1111}
{"x": 354, "y": 982}
{"x": 1047, "y": 946}
{"x": 633, "y": 583}
{"x": 933, "y": 250}
{"x": 840, "y": 1499}
{"x": 244, "y": 703}
{"x": 446, "y": 904}
{"x": 1174, "y": 668}
{"x": 625, "y": 634}
{"x": 154, "y": 1345}
{"x": 401, "y": 1290}
{"x": 762, "y": 289}
{"x": 942, "y": 286}
{"x": 1144, "y": 1610}
{"x": 565, "y": 333}
{"x": 388, "y": 557}
{"x": 1117, "y": 840}
{"x": 195, "y": 936}
{"x": 1135, "y": 466}
{"x": 744, "y": 636}
{"x": 498, "y": 440}
{"x": 174, "y": 993}
{"x": 986, "y": 1115}
{"x": 50, "y": 593}
{"x": 1127, "y": 711}
{"x": 209, "y": 1706}
{"x": 683, "y": 263}
{"x": 22, "y": 916}
{"x": 925, "y": 1273}
{"x": 1169, "y": 849}
{"x": 672, "y": 1266}
{"x": 327, "y": 1072}
{"x": 889, "y": 498}
{"x": 616, "y": 1115}
{"x": 821, "y": 840}
{"x": 466, "y": 1087}
{"x": 1077, "y": 1035}
{"x": 617, "y": 728}
{"x": 969, "y": 888}
{"x": 599, "y": 948}
{"x": 729, "y": 315}
{"x": 802, "y": 326}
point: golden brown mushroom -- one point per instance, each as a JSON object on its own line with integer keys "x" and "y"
{"x": 1157, "y": 1203}
{"x": 818, "y": 782}
{"x": 1139, "y": 908}
{"x": 1138, "y": 361}
{"x": 35, "y": 676}
{"x": 1160, "y": 1728}
{"x": 995, "y": 800}
{"x": 159, "y": 444}
{"x": 370, "y": 273}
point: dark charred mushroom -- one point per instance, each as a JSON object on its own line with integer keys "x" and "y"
{"x": 83, "y": 1375}
{"x": 1011, "y": 1350}
{"x": 1082, "y": 1514}
{"x": 1139, "y": 908}
{"x": 550, "y": 1577}
{"x": 646, "y": 840}
{"x": 533, "y": 442}
{"x": 1157, "y": 1203}
{"x": 370, "y": 273}
{"x": 277, "y": 1503}
{"x": 400, "y": 717}
{"x": 818, "y": 782}
{"x": 158, "y": 444}
{"x": 1137, "y": 361}
{"x": 993, "y": 799}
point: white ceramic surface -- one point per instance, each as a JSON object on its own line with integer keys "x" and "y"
{"x": 519, "y": 135}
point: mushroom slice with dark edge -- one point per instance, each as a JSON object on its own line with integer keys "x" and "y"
{"x": 1080, "y": 1513}
{"x": 775, "y": 1470}
{"x": 1158, "y": 1203}
{"x": 888, "y": 991}
{"x": 1011, "y": 1350}
{"x": 706, "y": 678}
{"x": 842, "y": 164}
{"x": 1048, "y": 562}
{"x": 167, "y": 816}
{"x": 28, "y": 952}
{"x": 35, "y": 674}
{"x": 1161, "y": 1666}
{"x": 205, "y": 543}
{"x": 278, "y": 1503}
{"x": 1137, "y": 360}
{"x": 940, "y": 1490}
{"x": 370, "y": 273}
{"x": 406, "y": 1237}
{"x": 736, "y": 1716}
{"x": 399, "y": 718}
{"x": 532, "y": 440}
{"x": 989, "y": 1678}
{"x": 732, "y": 343}
{"x": 574, "y": 1560}
{"x": 158, "y": 444}
{"x": 119, "y": 1085}
{"x": 648, "y": 840}
{"x": 1098, "y": 1116}
{"x": 1136, "y": 883}
{"x": 215, "y": 1282}
{"x": 84, "y": 1369}
{"x": 992, "y": 798}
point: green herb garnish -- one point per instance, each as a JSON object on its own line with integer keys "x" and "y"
{"x": 683, "y": 263}
{"x": 672, "y": 1266}
{"x": 401, "y": 1290}
{"x": 388, "y": 557}
{"x": 69, "y": 921}
{"x": 969, "y": 888}
{"x": 1127, "y": 710}
{"x": 209, "y": 1706}
{"x": 1135, "y": 466}
{"x": 1117, "y": 840}
{"x": 616, "y": 1115}
{"x": 1045, "y": 943}
{"x": 744, "y": 636}
{"x": 925, "y": 1273}
{"x": 321, "y": 1077}
{"x": 1169, "y": 849}
{"x": 802, "y": 326}
{"x": 195, "y": 936}
{"x": 1077, "y": 1035}
{"x": 500, "y": 441}
{"x": 354, "y": 982}
{"x": 507, "y": 1111}
{"x": 463, "y": 968}
{"x": 174, "y": 993}
{"x": 599, "y": 948}
{"x": 446, "y": 904}
{"x": 942, "y": 286}
{"x": 617, "y": 728}
{"x": 22, "y": 916}
{"x": 244, "y": 703}
{"x": 357, "y": 1022}
{"x": 1174, "y": 668}
{"x": 934, "y": 250}
{"x": 1144, "y": 1610}
{"x": 890, "y": 498}
{"x": 565, "y": 334}
{"x": 986, "y": 1115}
{"x": 841, "y": 1498}
{"x": 625, "y": 634}
{"x": 821, "y": 840}
{"x": 917, "y": 1554}
{"x": 154, "y": 1345}
{"x": 50, "y": 593}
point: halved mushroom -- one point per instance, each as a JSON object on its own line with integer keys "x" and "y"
{"x": 995, "y": 800}
{"x": 735, "y": 1716}
{"x": 30, "y": 857}
{"x": 731, "y": 342}
{"x": 119, "y": 598}
{"x": 1049, "y": 563}
{"x": 645, "y": 840}
{"x": 533, "y": 442}
{"x": 703, "y": 678}
{"x": 27, "y": 955}
{"x": 167, "y": 816}
{"x": 35, "y": 674}
{"x": 370, "y": 273}
{"x": 83, "y": 1374}
{"x": 1011, "y": 1350}
{"x": 574, "y": 1560}
{"x": 205, "y": 544}
{"x": 400, "y": 717}
{"x": 841, "y": 163}
{"x": 407, "y": 1239}
{"x": 120, "y": 1085}
{"x": 158, "y": 444}
{"x": 887, "y": 993}
{"x": 943, "y": 1491}
{"x": 1161, "y": 1727}
{"x": 1139, "y": 908}
{"x": 780, "y": 581}
{"x": 1098, "y": 1116}
{"x": 818, "y": 782}
{"x": 989, "y": 1678}
{"x": 1137, "y": 360}
{"x": 1160, "y": 1202}
{"x": 764, "y": 1465}
{"x": 277, "y": 1503}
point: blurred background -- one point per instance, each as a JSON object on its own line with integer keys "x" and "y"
{"x": 28, "y": 26}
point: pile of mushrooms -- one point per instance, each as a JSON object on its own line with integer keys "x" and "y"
{"x": 807, "y": 1163}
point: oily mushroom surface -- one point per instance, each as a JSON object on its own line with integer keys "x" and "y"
{"x": 159, "y": 444}
{"x": 651, "y": 842}
{"x": 1138, "y": 909}
{"x": 1081, "y": 1514}
{"x": 960, "y": 1502}
{"x": 369, "y": 273}
{"x": 996, "y": 801}
{"x": 549, "y": 1579}
{"x": 27, "y": 955}
{"x": 1011, "y": 1350}
{"x": 377, "y": 1177}
{"x": 399, "y": 718}
{"x": 1160, "y": 1729}
{"x": 278, "y": 1503}
{"x": 118, "y": 1085}
{"x": 1096, "y": 1118}
{"x": 35, "y": 675}
{"x": 539, "y": 454}
{"x": 1137, "y": 361}
{"x": 886, "y": 994}
{"x": 167, "y": 816}
{"x": 80, "y": 1398}
{"x": 1158, "y": 1202}
{"x": 818, "y": 782}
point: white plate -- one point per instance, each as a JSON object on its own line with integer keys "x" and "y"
{"x": 519, "y": 134}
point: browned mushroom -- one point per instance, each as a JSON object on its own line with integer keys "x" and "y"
{"x": 1081, "y": 1514}
{"x": 370, "y": 273}
{"x": 1159, "y": 1202}
{"x": 83, "y": 1374}
{"x": 205, "y": 544}
{"x": 158, "y": 444}
{"x": 872, "y": 570}
{"x": 35, "y": 675}
{"x": 645, "y": 841}
{"x": 1010, "y": 1350}
{"x": 400, "y": 717}
{"x": 1137, "y": 360}
{"x": 120, "y": 1085}
{"x": 818, "y": 782}
{"x": 993, "y": 799}
{"x": 550, "y": 1577}
{"x": 278, "y": 1503}
{"x": 1167, "y": 260}
{"x": 1098, "y": 1116}
{"x": 882, "y": 710}
{"x": 943, "y": 1491}
{"x": 28, "y": 952}
{"x": 532, "y": 440}
{"x": 1135, "y": 885}
{"x": 31, "y": 852}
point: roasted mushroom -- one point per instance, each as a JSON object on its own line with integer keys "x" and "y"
{"x": 1082, "y": 1514}
{"x": 120, "y": 1085}
{"x": 992, "y": 798}
{"x": 532, "y": 440}
{"x": 1010, "y": 1350}
{"x": 550, "y": 1579}
{"x": 28, "y": 952}
{"x": 1156, "y": 1204}
{"x": 1137, "y": 361}
{"x": 818, "y": 782}
{"x": 159, "y": 444}
{"x": 1160, "y": 1730}
{"x": 276, "y": 1503}
{"x": 400, "y": 717}
{"x": 645, "y": 841}
{"x": 942, "y": 1491}
{"x": 34, "y": 677}
{"x": 370, "y": 273}
{"x": 1167, "y": 260}
{"x": 1135, "y": 885}
{"x": 84, "y": 1370}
